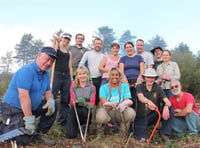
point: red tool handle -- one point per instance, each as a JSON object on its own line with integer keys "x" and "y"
{"x": 158, "y": 121}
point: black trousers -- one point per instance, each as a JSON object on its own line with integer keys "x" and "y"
{"x": 72, "y": 126}
{"x": 16, "y": 121}
{"x": 97, "y": 84}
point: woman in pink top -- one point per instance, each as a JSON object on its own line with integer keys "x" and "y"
{"x": 109, "y": 61}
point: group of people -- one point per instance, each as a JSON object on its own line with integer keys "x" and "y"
{"x": 125, "y": 90}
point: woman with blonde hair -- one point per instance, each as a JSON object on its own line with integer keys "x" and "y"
{"x": 83, "y": 94}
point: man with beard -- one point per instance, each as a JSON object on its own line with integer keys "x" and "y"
{"x": 77, "y": 51}
{"x": 92, "y": 59}
{"x": 157, "y": 52}
{"x": 186, "y": 114}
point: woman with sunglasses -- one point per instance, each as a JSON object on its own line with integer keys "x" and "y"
{"x": 167, "y": 71}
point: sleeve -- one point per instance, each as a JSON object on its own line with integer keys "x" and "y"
{"x": 25, "y": 79}
{"x": 121, "y": 60}
{"x": 72, "y": 89}
{"x": 161, "y": 94}
{"x": 189, "y": 98}
{"x": 139, "y": 89}
{"x": 84, "y": 59}
{"x": 93, "y": 95}
{"x": 126, "y": 91}
{"x": 151, "y": 61}
{"x": 177, "y": 74}
{"x": 103, "y": 91}
{"x": 141, "y": 59}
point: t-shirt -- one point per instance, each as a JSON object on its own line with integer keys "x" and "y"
{"x": 156, "y": 95}
{"x": 93, "y": 60}
{"x": 77, "y": 54}
{"x": 131, "y": 66}
{"x": 30, "y": 78}
{"x": 148, "y": 59}
{"x": 187, "y": 98}
{"x": 114, "y": 95}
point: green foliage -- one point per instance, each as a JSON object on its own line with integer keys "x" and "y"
{"x": 107, "y": 35}
{"x": 4, "y": 82}
{"x": 125, "y": 37}
{"x": 28, "y": 49}
{"x": 155, "y": 41}
{"x": 189, "y": 68}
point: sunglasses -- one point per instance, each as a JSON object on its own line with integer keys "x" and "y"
{"x": 172, "y": 87}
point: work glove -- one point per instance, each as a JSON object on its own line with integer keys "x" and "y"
{"x": 125, "y": 104}
{"x": 50, "y": 105}
{"x": 112, "y": 104}
{"x": 89, "y": 105}
{"x": 30, "y": 124}
{"x": 84, "y": 103}
{"x": 81, "y": 100}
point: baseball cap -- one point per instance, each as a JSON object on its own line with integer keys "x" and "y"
{"x": 67, "y": 35}
{"x": 156, "y": 47}
{"x": 50, "y": 51}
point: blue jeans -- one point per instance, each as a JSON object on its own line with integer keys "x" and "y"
{"x": 62, "y": 82}
{"x": 141, "y": 124}
{"x": 189, "y": 123}
{"x": 16, "y": 121}
{"x": 168, "y": 93}
{"x": 104, "y": 81}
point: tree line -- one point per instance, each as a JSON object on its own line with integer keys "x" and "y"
{"x": 28, "y": 48}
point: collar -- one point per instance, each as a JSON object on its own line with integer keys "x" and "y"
{"x": 37, "y": 68}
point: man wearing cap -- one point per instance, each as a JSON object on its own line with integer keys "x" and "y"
{"x": 147, "y": 56}
{"x": 152, "y": 95}
{"x": 29, "y": 96}
{"x": 157, "y": 52}
{"x": 77, "y": 51}
{"x": 63, "y": 75}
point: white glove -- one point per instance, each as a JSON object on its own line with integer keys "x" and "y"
{"x": 50, "y": 105}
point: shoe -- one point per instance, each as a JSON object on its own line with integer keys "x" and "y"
{"x": 165, "y": 138}
{"x": 44, "y": 139}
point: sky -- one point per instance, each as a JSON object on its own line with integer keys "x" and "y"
{"x": 175, "y": 21}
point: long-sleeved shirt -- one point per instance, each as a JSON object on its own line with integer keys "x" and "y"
{"x": 171, "y": 70}
{"x": 93, "y": 60}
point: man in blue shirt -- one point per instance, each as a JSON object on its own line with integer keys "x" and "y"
{"x": 29, "y": 96}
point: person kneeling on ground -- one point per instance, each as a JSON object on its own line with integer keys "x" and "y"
{"x": 114, "y": 104}
{"x": 23, "y": 101}
{"x": 186, "y": 114}
{"x": 151, "y": 94}
{"x": 83, "y": 95}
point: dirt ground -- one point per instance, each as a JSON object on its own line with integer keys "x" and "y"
{"x": 111, "y": 140}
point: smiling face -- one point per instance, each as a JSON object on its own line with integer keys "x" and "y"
{"x": 166, "y": 56}
{"x": 149, "y": 81}
{"x": 65, "y": 41}
{"x": 79, "y": 39}
{"x": 114, "y": 77}
{"x": 44, "y": 61}
{"x": 129, "y": 49}
{"x": 140, "y": 46}
{"x": 158, "y": 53}
{"x": 82, "y": 75}
{"x": 175, "y": 87}
{"x": 97, "y": 45}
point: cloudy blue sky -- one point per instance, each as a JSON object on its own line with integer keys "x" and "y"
{"x": 175, "y": 20}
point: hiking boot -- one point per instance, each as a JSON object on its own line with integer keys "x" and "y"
{"x": 43, "y": 138}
